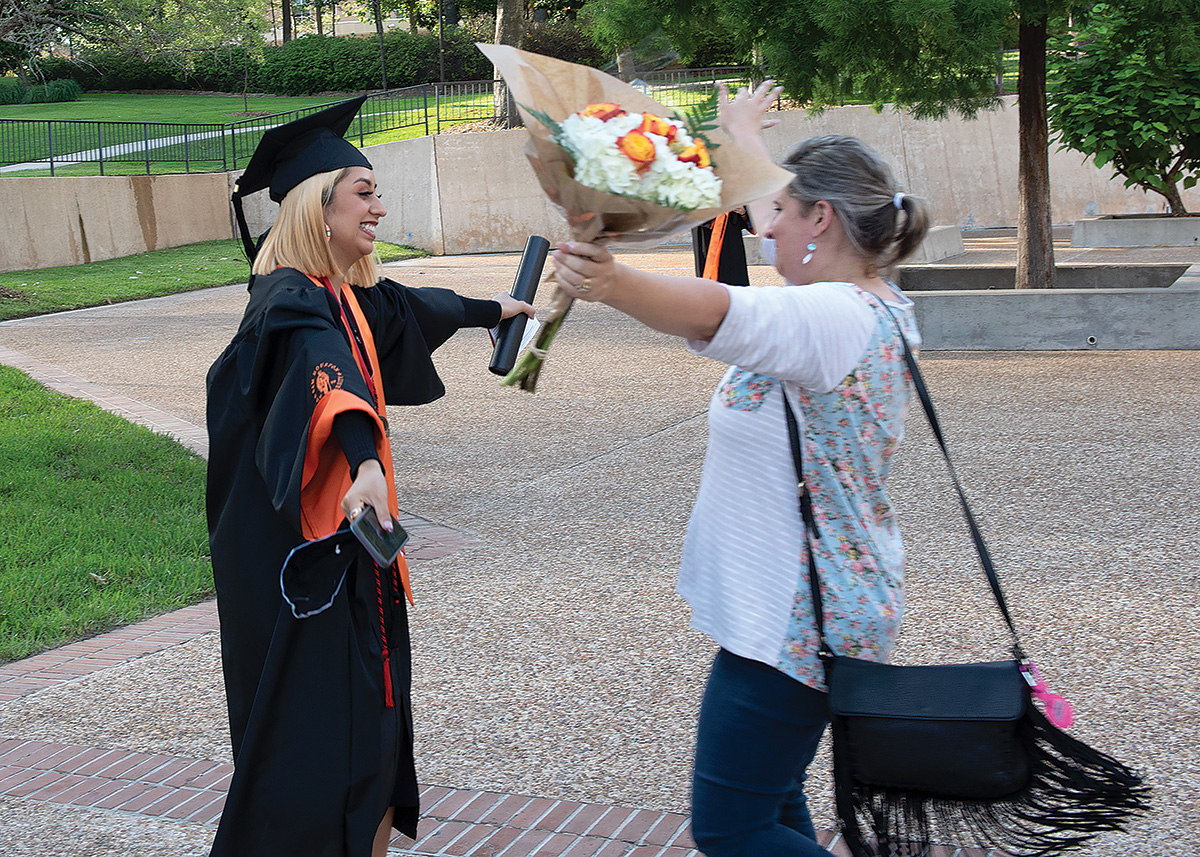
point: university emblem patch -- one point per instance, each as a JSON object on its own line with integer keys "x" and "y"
{"x": 325, "y": 377}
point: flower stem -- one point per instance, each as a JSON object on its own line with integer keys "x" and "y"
{"x": 529, "y": 366}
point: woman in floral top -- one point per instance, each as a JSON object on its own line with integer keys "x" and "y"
{"x": 835, "y": 346}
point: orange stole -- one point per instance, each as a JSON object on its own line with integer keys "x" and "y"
{"x": 326, "y": 477}
{"x": 712, "y": 261}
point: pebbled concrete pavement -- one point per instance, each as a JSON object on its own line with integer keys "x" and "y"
{"x": 554, "y": 662}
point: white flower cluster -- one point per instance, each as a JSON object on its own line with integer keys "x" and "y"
{"x": 601, "y": 164}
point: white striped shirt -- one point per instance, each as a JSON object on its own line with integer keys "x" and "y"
{"x": 741, "y": 559}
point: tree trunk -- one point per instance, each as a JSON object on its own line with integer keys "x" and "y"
{"x": 379, "y": 35}
{"x": 626, "y": 66}
{"x": 319, "y": 12}
{"x": 285, "y": 12}
{"x": 1174, "y": 199}
{"x": 1035, "y": 238}
{"x": 510, "y": 27}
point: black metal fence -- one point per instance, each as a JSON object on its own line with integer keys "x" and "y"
{"x": 32, "y": 144}
{"x": 688, "y": 86}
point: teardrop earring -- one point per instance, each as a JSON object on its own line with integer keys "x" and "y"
{"x": 811, "y": 248}
{"x": 328, "y": 232}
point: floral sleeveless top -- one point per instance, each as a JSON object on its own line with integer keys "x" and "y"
{"x": 848, "y": 436}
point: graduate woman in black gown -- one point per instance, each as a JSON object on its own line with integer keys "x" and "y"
{"x": 314, "y": 636}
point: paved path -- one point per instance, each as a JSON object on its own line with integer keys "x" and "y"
{"x": 557, "y": 678}
{"x": 192, "y": 791}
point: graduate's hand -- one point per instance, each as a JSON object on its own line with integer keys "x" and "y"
{"x": 369, "y": 489}
{"x": 510, "y": 306}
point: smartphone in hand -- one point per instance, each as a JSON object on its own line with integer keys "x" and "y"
{"x": 383, "y": 547}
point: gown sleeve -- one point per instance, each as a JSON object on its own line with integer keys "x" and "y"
{"x": 408, "y": 326}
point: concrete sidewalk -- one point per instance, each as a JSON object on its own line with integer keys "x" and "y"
{"x": 557, "y": 680}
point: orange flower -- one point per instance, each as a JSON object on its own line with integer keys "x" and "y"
{"x": 697, "y": 154}
{"x": 603, "y": 111}
{"x": 638, "y": 148}
{"x": 652, "y": 124}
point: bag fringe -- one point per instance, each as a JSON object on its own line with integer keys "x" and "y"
{"x": 1075, "y": 792}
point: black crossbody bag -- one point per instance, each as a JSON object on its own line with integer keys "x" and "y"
{"x": 957, "y": 751}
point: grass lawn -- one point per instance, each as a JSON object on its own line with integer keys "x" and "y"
{"x": 162, "y": 107}
{"x": 103, "y": 520}
{"x": 154, "y": 274}
{"x": 406, "y": 117}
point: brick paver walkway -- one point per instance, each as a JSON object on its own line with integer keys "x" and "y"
{"x": 454, "y": 822}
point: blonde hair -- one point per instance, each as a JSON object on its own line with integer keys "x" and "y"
{"x": 297, "y": 238}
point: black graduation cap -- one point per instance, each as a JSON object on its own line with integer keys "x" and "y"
{"x": 289, "y": 154}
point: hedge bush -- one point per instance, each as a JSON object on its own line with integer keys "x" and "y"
{"x": 54, "y": 91}
{"x": 226, "y": 70}
{"x": 111, "y": 70}
{"x": 313, "y": 64}
{"x": 14, "y": 92}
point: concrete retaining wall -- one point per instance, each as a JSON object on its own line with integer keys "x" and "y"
{"x": 1068, "y": 276}
{"x": 475, "y": 193}
{"x": 1059, "y": 320}
{"x": 967, "y": 168}
{"x": 1136, "y": 231}
{"x": 50, "y": 222}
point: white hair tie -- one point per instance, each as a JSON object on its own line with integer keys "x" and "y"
{"x": 898, "y": 199}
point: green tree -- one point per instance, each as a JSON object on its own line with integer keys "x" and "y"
{"x": 931, "y": 57}
{"x": 1125, "y": 92}
{"x": 698, "y": 31}
{"x": 142, "y": 28}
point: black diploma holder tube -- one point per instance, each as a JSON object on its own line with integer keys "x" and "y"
{"x": 508, "y": 343}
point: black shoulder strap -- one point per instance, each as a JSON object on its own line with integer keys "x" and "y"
{"x": 806, "y": 512}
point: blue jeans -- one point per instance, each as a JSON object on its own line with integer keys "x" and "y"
{"x": 758, "y": 732}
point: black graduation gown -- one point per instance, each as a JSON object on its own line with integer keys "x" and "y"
{"x": 727, "y": 246}
{"x": 318, "y": 756}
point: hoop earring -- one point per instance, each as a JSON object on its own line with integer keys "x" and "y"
{"x": 811, "y": 249}
{"x": 328, "y": 232}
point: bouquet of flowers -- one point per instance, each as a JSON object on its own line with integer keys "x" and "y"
{"x": 620, "y": 166}
{"x": 639, "y": 155}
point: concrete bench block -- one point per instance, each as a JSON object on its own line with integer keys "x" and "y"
{"x": 1136, "y": 230}
{"x": 941, "y": 242}
{"x": 1069, "y": 276}
{"x": 1189, "y": 280}
{"x": 1059, "y": 319}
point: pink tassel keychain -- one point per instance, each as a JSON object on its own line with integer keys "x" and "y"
{"x": 1058, "y": 710}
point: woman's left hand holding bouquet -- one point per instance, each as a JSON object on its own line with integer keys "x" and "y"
{"x": 681, "y": 306}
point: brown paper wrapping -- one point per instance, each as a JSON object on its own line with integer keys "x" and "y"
{"x": 558, "y": 89}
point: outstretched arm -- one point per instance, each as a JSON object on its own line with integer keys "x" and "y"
{"x": 682, "y": 306}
